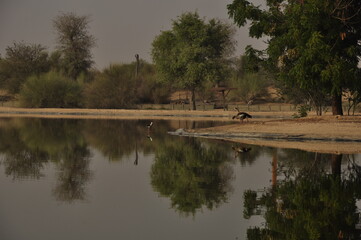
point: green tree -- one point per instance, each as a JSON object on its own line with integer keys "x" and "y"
{"x": 312, "y": 44}
{"x": 193, "y": 51}
{"x": 74, "y": 43}
{"x": 21, "y": 61}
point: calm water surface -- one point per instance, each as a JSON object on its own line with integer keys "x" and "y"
{"x": 112, "y": 179}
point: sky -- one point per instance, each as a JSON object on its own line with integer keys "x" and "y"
{"x": 122, "y": 28}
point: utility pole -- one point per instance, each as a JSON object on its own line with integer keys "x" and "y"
{"x": 137, "y": 65}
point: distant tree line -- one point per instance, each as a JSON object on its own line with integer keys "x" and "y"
{"x": 312, "y": 59}
{"x": 65, "y": 77}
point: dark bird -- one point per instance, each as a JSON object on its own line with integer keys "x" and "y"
{"x": 241, "y": 115}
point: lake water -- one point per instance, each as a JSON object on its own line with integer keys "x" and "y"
{"x": 114, "y": 179}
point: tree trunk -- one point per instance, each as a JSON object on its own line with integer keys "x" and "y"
{"x": 274, "y": 168}
{"x": 337, "y": 104}
{"x": 336, "y": 164}
{"x": 193, "y": 99}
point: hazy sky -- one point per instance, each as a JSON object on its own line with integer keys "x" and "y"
{"x": 122, "y": 27}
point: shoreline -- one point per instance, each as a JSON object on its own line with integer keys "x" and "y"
{"x": 67, "y": 112}
{"x": 328, "y": 134}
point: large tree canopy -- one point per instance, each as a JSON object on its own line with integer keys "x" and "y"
{"x": 74, "y": 43}
{"x": 313, "y": 44}
{"x": 193, "y": 51}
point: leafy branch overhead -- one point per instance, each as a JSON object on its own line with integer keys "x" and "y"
{"x": 311, "y": 44}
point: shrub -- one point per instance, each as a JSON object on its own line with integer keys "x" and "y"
{"x": 250, "y": 87}
{"x": 113, "y": 88}
{"x": 302, "y": 111}
{"x": 161, "y": 94}
{"x": 50, "y": 90}
{"x": 150, "y": 91}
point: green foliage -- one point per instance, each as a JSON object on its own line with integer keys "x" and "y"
{"x": 21, "y": 61}
{"x": 115, "y": 87}
{"x": 55, "y": 61}
{"x": 257, "y": 233}
{"x": 251, "y": 61}
{"x": 250, "y": 87}
{"x": 3, "y": 74}
{"x": 315, "y": 98}
{"x": 249, "y": 77}
{"x": 74, "y": 43}
{"x": 50, "y": 90}
{"x": 148, "y": 89}
{"x": 192, "y": 52}
{"x": 313, "y": 45}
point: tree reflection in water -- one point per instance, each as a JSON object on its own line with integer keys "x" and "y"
{"x": 306, "y": 199}
{"x": 20, "y": 161}
{"x": 117, "y": 140}
{"x": 308, "y": 202}
{"x": 24, "y": 164}
{"x": 191, "y": 174}
{"x": 73, "y": 174}
{"x": 27, "y": 145}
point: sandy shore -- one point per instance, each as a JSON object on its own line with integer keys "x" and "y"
{"x": 218, "y": 115}
{"x": 328, "y": 134}
{"x": 331, "y": 134}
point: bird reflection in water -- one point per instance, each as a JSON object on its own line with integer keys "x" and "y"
{"x": 240, "y": 150}
{"x": 149, "y": 127}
